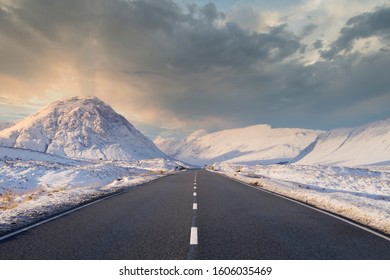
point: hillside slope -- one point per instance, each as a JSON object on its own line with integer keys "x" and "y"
{"x": 258, "y": 144}
{"x": 364, "y": 145}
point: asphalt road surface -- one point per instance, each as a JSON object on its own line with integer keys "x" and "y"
{"x": 195, "y": 215}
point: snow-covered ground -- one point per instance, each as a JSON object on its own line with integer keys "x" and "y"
{"x": 34, "y": 185}
{"x": 360, "y": 194}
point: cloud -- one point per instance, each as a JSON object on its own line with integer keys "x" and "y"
{"x": 165, "y": 65}
{"x": 365, "y": 25}
{"x": 158, "y": 31}
{"x": 318, "y": 44}
{"x": 308, "y": 29}
{"x": 123, "y": 41}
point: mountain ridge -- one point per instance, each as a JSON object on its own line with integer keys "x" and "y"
{"x": 258, "y": 144}
{"x": 367, "y": 144}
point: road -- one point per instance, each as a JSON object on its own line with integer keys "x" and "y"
{"x": 230, "y": 220}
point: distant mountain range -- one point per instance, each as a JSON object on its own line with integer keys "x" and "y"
{"x": 87, "y": 128}
{"x": 259, "y": 144}
{"x": 80, "y": 128}
{"x": 364, "y": 145}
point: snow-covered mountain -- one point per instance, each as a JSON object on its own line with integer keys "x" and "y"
{"x": 4, "y": 125}
{"x": 364, "y": 145}
{"x": 80, "y": 128}
{"x": 254, "y": 144}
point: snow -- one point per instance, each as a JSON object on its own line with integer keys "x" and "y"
{"x": 4, "y": 125}
{"x": 344, "y": 171}
{"x": 70, "y": 152}
{"x": 80, "y": 128}
{"x": 360, "y": 194}
{"x": 34, "y": 185}
{"x": 251, "y": 145}
{"x": 365, "y": 145}
{"x": 78, "y": 149}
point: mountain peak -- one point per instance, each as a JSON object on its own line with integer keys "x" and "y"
{"x": 77, "y": 101}
{"x": 197, "y": 134}
{"x": 80, "y": 127}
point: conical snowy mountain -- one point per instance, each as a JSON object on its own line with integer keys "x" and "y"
{"x": 259, "y": 144}
{"x": 82, "y": 128}
{"x": 364, "y": 145}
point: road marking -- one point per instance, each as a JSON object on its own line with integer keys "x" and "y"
{"x": 313, "y": 208}
{"x": 195, "y": 206}
{"x": 194, "y": 193}
{"x": 194, "y": 188}
{"x": 194, "y": 236}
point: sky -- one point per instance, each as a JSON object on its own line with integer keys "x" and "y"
{"x": 175, "y": 66}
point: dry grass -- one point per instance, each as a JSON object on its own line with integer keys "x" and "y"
{"x": 158, "y": 172}
{"x": 257, "y": 184}
{"x": 10, "y": 200}
{"x": 7, "y": 201}
{"x": 59, "y": 189}
{"x": 7, "y": 196}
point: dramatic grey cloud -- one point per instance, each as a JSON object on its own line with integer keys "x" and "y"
{"x": 174, "y": 67}
{"x": 309, "y": 29}
{"x": 362, "y": 26}
{"x": 318, "y": 44}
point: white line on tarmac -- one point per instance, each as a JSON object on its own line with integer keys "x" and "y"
{"x": 194, "y": 236}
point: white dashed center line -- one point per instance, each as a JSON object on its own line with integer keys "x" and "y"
{"x": 194, "y": 228}
{"x": 194, "y": 236}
